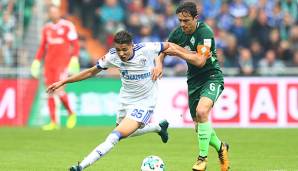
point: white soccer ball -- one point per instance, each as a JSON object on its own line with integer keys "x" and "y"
{"x": 153, "y": 163}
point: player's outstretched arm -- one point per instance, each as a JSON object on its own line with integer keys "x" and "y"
{"x": 198, "y": 59}
{"x": 74, "y": 78}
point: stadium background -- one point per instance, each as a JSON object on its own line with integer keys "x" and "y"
{"x": 257, "y": 43}
{"x": 257, "y": 46}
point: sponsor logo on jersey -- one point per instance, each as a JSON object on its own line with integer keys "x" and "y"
{"x": 207, "y": 42}
{"x": 125, "y": 75}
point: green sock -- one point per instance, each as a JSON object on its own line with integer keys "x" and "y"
{"x": 214, "y": 141}
{"x": 204, "y": 135}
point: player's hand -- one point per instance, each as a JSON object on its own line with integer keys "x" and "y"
{"x": 51, "y": 89}
{"x": 74, "y": 65}
{"x": 35, "y": 68}
{"x": 204, "y": 51}
{"x": 157, "y": 72}
{"x": 172, "y": 50}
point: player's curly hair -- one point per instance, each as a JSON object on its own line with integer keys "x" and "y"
{"x": 187, "y": 7}
{"x": 123, "y": 37}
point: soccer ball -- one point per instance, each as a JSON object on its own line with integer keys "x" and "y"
{"x": 153, "y": 163}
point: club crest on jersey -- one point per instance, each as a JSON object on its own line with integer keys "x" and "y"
{"x": 192, "y": 40}
{"x": 143, "y": 61}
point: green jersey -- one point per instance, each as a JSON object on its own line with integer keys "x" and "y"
{"x": 203, "y": 35}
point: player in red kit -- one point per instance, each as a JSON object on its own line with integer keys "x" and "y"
{"x": 59, "y": 47}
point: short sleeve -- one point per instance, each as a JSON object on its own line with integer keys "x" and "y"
{"x": 155, "y": 47}
{"x": 107, "y": 61}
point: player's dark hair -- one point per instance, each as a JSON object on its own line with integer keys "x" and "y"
{"x": 187, "y": 7}
{"x": 123, "y": 37}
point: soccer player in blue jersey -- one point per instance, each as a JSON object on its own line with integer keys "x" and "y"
{"x": 138, "y": 94}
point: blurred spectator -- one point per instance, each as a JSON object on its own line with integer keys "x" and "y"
{"x": 224, "y": 19}
{"x": 158, "y": 5}
{"x": 175, "y": 66}
{"x": 211, "y": 8}
{"x": 257, "y": 50}
{"x": 146, "y": 35}
{"x": 112, "y": 16}
{"x": 84, "y": 56}
{"x": 270, "y": 66}
{"x": 170, "y": 19}
{"x": 284, "y": 52}
{"x": 245, "y": 62}
{"x": 148, "y": 17}
{"x": 285, "y": 28}
{"x": 7, "y": 28}
{"x": 231, "y": 51}
{"x": 275, "y": 16}
{"x": 294, "y": 38}
{"x": 260, "y": 29}
{"x": 294, "y": 61}
{"x": 238, "y": 8}
{"x": 134, "y": 24}
{"x": 291, "y": 7}
{"x": 274, "y": 39}
{"x": 240, "y": 32}
{"x": 222, "y": 58}
{"x": 136, "y": 6}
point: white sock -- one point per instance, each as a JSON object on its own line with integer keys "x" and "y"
{"x": 101, "y": 149}
{"x": 151, "y": 127}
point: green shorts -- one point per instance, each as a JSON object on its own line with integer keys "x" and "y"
{"x": 211, "y": 88}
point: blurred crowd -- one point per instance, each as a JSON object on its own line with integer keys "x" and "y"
{"x": 255, "y": 37}
{"x": 258, "y": 37}
{"x": 10, "y": 33}
{"x": 8, "y": 17}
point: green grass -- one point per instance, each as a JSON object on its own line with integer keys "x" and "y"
{"x": 30, "y": 149}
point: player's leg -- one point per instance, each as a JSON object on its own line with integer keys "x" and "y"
{"x": 204, "y": 132}
{"x": 133, "y": 118}
{"x": 49, "y": 79}
{"x": 123, "y": 130}
{"x": 72, "y": 118}
{"x": 161, "y": 128}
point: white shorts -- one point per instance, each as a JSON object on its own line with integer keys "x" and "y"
{"x": 137, "y": 113}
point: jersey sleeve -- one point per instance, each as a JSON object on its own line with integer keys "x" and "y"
{"x": 155, "y": 47}
{"x": 107, "y": 61}
{"x": 207, "y": 36}
{"x": 152, "y": 49}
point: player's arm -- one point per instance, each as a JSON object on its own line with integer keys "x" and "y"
{"x": 157, "y": 70}
{"x": 74, "y": 65}
{"x": 74, "y": 78}
{"x": 198, "y": 59}
{"x": 35, "y": 66}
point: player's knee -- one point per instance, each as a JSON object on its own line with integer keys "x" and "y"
{"x": 202, "y": 113}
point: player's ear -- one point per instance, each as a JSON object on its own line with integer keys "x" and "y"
{"x": 196, "y": 17}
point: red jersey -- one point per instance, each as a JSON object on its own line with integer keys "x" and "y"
{"x": 59, "y": 41}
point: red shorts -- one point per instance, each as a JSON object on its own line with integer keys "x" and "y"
{"x": 52, "y": 75}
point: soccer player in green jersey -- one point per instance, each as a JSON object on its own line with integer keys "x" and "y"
{"x": 193, "y": 41}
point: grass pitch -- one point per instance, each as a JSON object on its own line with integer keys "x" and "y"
{"x": 31, "y": 149}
